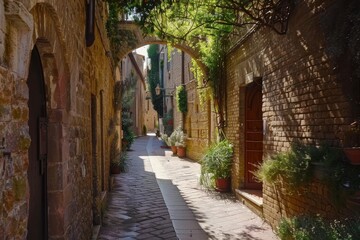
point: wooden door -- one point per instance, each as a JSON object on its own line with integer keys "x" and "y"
{"x": 37, "y": 171}
{"x": 253, "y": 133}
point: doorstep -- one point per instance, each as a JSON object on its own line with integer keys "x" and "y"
{"x": 252, "y": 199}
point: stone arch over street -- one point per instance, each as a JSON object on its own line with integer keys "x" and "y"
{"x": 131, "y": 28}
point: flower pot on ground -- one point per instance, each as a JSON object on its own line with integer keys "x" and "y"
{"x": 119, "y": 163}
{"x": 181, "y": 151}
{"x": 174, "y": 150}
{"x": 181, "y": 144}
{"x": 166, "y": 140}
{"x": 351, "y": 144}
{"x": 216, "y": 164}
{"x": 177, "y": 138}
{"x": 222, "y": 184}
{"x": 353, "y": 155}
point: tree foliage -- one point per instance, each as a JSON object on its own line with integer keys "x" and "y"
{"x": 181, "y": 98}
{"x": 154, "y": 78}
{"x": 204, "y": 25}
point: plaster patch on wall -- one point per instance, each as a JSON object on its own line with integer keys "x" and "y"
{"x": 53, "y": 86}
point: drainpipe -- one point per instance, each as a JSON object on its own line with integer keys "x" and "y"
{"x": 183, "y": 83}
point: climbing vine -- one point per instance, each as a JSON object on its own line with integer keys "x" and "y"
{"x": 205, "y": 26}
{"x": 153, "y": 78}
{"x": 181, "y": 98}
{"x": 119, "y": 38}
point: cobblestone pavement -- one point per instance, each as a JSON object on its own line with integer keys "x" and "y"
{"x": 136, "y": 208}
{"x": 160, "y": 198}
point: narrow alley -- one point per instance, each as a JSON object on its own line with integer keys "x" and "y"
{"x": 159, "y": 197}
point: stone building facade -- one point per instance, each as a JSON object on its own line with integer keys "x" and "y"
{"x": 150, "y": 115}
{"x": 132, "y": 70}
{"x": 296, "y": 86}
{"x": 198, "y": 121}
{"x": 55, "y": 111}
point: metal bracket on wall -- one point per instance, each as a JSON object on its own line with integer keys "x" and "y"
{"x": 277, "y": 16}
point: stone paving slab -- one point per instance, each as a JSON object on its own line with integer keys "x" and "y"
{"x": 160, "y": 198}
{"x": 220, "y": 215}
{"x": 136, "y": 208}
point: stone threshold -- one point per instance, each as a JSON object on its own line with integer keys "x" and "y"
{"x": 251, "y": 199}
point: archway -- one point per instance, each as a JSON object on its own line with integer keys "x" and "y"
{"x": 37, "y": 170}
{"x": 51, "y": 53}
{"x": 130, "y": 28}
{"x": 253, "y": 133}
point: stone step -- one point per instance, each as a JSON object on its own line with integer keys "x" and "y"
{"x": 252, "y": 199}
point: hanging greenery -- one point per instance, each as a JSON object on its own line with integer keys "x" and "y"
{"x": 153, "y": 78}
{"x": 181, "y": 98}
{"x": 205, "y": 26}
{"x": 119, "y": 38}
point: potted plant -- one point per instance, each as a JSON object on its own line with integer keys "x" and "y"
{"x": 181, "y": 144}
{"x": 216, "y": 166}
{"x": 172, "y": 141}
{"x": 166, "y": 140}
{"x": 351, "y": 144}
{"x": 118, "y": 163}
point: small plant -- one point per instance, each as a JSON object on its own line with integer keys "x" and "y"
{"x": 216, "y": 163}
{"x": 181, "y": 98}
{"x": 180, "y": 139}
{"x": 351, "y": 143}
{"x": 316, "y": 227}
{"x": 166, "y": 139}
{"x": 296, "y": 168}
{"x": 175, "y": 136}
{"x": 291, "y": 168}
{"x": 119, "y": 162}
{"x": 168, "y": 122}
{"x": 128, "y": 139}
{"x": 352, "y": 135}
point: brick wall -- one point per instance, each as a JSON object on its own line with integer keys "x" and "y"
{"x": 197, "y": 120}
{"x": 304, "y": 96}
{"x": 72, "y": 73}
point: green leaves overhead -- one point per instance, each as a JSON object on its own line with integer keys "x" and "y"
{"x": 187, "y": 21}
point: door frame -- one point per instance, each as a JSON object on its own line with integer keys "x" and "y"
{"x": 42, "y": 139}
{"x": 251, "y": 90}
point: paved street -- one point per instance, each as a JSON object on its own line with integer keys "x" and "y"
{"x": 159, "y": 197}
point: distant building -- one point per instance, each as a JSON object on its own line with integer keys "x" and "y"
{"x": 132, "y": 69}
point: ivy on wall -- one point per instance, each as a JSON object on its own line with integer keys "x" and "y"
{"x": 181, "y": 98}
{"x": 154, "y": 79}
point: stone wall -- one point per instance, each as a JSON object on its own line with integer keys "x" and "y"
{"x": 78, "y": 171}
{"x": 304, "y": 95}
{"x": 197, "y": 120}
{"x": 197, "y": 124}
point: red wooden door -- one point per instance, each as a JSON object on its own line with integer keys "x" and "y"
{"x": 37, "y": 221}
{"x": 253, "y": 134}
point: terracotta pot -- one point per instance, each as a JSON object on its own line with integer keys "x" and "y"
{"x": 124, "y": 144}
{"x": 222, "y": 184}
{"x": 353, "y": 154}
{"x": 115, "y": 170}
{"x": 174, "y": 149}
{"x": 181, "y": 152}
